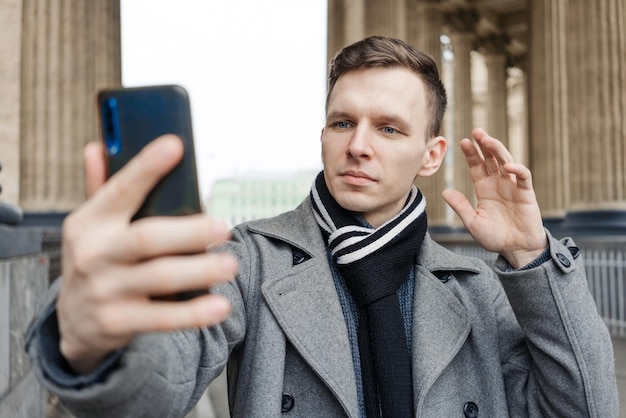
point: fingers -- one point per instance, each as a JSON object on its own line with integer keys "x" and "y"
{"x": 125, "y": 191}
{"x": 118, "y": 322}
{"x": 488, "y": 157}
{"x": 150, "y": 316}
{"x": 474, "y": 160}
{"x": 95, "y": 166}
{"x": 498, "y": 159}
{"x": 494, "y": 152}
{"x": 91, "y": 244}
{"x": 112, "y": 267}
{"x": 459, "y": 203}
{"x": 165, "y": 276}
{"x": 522, "y": 175}
{"x": 185, "y": 235}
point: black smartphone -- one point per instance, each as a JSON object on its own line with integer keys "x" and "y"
{"x": 132, "y": 117}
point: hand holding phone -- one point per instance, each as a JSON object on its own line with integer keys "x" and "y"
{"x": 113, "y": 268}
{"x": 131, "y": 118}
{"x": 116, "y": 273}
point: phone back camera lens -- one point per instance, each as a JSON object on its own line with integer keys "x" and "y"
{"x": 111, "y": 126}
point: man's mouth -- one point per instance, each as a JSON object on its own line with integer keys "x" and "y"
{"x": 356, "y": 178}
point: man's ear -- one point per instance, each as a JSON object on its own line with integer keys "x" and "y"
{"x": 433, "y": 156}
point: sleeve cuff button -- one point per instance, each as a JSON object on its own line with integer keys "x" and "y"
{"x": 563, "y": 259}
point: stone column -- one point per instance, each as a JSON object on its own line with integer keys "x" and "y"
{"x": 10, "y": 61}
{"x": 424, "y": 27}
{"x": 354, "y": 21}
{"x": 335, "y": 19}
{"x": 493, "y": 49}
{"x": 346, "y": 24}
{"x": 70, "y": 49}
{"x": 517, "y": 103}
{"x": 597, "y": 109}
{"x": 385, "y": 17}
{"x": 461, "y": 25}
{"x": 549, "y": 126}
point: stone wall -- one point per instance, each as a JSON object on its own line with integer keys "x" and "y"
{"x": 23, "y": 280}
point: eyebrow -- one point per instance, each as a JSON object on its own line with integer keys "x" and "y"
{"x": 390, "y": 118}
{"x": 339, "y": 115}
{"x": 394, "y": 119}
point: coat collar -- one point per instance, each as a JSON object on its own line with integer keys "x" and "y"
{"x": 305, "y": 304}
{"x": 299, "y": 228}
{"x": 305, "y": 299}
{"x": 434, "y": 258}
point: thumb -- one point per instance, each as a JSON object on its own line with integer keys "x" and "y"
{"x": 459, "y": 203}
{"x": 95, "y": 166}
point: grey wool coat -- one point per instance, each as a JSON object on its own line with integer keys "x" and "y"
{"x": 494, "y": 343}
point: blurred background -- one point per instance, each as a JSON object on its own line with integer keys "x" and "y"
{"x": 547, "y": 78}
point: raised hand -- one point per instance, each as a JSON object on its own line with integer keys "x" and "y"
{"x": 506, "y": 219}
{"x": 112, "y": 268}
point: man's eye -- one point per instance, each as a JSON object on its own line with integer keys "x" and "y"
{"x": 389, "y": 130}
{"x": 342, "y": 125}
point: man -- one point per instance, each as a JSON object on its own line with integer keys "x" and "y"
{"x": 344, "y": 306}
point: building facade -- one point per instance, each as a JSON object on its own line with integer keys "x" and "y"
{"x": 239, "y": 199}
{"x": 548, "y": 77}
{"x": 568, "y": 117}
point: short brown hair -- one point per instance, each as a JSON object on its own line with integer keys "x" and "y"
{"x": 380, "y": 51}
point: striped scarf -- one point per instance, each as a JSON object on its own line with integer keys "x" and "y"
{"x": 374, "y": 262}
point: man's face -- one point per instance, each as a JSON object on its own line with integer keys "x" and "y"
{"x": 373, "y": 143}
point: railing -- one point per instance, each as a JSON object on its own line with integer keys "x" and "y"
{"x": 605, "y": 267}
{"x": 606, "y": 271}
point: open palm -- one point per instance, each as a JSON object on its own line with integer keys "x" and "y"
{"x": 506, "y": 219}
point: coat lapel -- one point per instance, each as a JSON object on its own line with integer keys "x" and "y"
{"x": 306, "y": 306}
{"x": 441, "y": 323}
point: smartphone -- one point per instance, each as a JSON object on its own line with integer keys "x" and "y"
{"x": 132, "y": 117}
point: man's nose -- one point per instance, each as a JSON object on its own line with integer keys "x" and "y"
{"x": 360, "y": 145}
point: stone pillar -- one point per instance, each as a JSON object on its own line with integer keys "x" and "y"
{"x": 10, "y": 47}
{"x": 461, "y": 25}
{"x": 354, "y": 21}
{"x": 386, "y": 18}
{"x": 517, "y": 103}
{"x": 424, "y": 27}
{"x": 549, "y": 126}
{"x": 70, "y": 49}
{"x": 596, "y": 54}
{"x": 596, "y": 115}
{"x": 493, "y": 49}
{"x": 346, "y": 24}
{"x": 335, "y": 18}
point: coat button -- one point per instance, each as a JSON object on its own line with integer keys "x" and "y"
{"x": 298, "y": 257}
{"x": 287, "y": 402}
{"x": 443, "y": 276}
{"x": 563, "y": 259}
{"x": 470, "y": 410}
{"x": 574, "y": 251}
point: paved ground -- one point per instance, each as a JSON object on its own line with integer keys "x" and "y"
{"x": 619, "y": 346}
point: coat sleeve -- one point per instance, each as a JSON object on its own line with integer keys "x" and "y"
{"x": 158, "y": 374}
{"x": 568, "y": 367}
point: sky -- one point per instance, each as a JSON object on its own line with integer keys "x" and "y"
{"x": 255, "y": 72}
